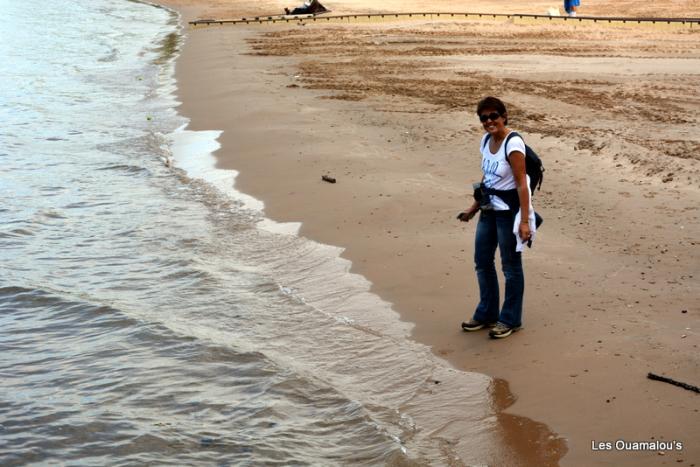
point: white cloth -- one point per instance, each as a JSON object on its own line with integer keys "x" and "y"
{"x": 498, "y": 174}
{"x": 531, "y": 221}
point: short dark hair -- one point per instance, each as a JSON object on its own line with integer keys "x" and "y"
{"x": 492, "y": 103}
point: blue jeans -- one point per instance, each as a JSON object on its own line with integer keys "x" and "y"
{"x": 495, "y": 229}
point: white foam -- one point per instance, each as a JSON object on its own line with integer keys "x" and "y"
{"x": 193, "y": 152}
{"x": 283, "y": 228}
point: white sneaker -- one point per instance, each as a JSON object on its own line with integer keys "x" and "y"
{"x": 474, "y": 325}
{"x": 502, "y": 330}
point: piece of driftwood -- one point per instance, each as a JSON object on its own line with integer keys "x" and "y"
{"x": 328, "y": 179}
{"x": 687, "y": 386}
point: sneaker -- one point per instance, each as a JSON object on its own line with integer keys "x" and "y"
{"x": 502, "y": 330}
{"x": 474, "y": 325}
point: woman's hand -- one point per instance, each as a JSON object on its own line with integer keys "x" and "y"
{"x": 524, "y": 231}
{"x": 466, "y": 216}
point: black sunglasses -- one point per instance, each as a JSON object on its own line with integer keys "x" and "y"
{"x": 493, "y": 116}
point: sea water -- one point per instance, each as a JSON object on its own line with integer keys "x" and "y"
{"x": 150, "y": 314}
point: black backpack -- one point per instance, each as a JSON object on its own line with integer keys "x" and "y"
{"x": 533, "y": 163}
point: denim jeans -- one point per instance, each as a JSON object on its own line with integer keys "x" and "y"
{"x": 495, "y": 229}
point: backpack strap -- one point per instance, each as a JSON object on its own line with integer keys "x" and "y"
{"x": 486, "y": 141}
{"x": 505, "y": 144}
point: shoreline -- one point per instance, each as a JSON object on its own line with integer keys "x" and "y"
{"x": 584, "y": 372}
{"x": 514, "y": 431}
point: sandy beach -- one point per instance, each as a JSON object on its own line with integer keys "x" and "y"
{"x": 612, "y": 282}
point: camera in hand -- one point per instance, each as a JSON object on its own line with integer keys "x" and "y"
{"x": 481, "y": 197}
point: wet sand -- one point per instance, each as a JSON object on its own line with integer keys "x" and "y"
{"x": 387, "y": 109}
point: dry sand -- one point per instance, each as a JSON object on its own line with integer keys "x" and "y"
{"x": 613, "y": 280}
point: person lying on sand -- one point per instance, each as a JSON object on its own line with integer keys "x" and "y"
{"x": 308, "y": 8}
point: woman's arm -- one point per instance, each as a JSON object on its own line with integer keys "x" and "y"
{"x": 470, "y": 212}
{"x": 517, "y": 164}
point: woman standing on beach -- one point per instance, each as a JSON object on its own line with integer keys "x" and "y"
{"x": 504, "y": 170}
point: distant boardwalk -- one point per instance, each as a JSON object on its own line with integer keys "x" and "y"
{"x": 445, "y": 16}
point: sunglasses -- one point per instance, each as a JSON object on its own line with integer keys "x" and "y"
{"x": 493, "y": 116}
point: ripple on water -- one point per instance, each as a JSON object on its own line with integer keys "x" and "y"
{"x": 126, "y": 168}
{"x": 134, "y": 391}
